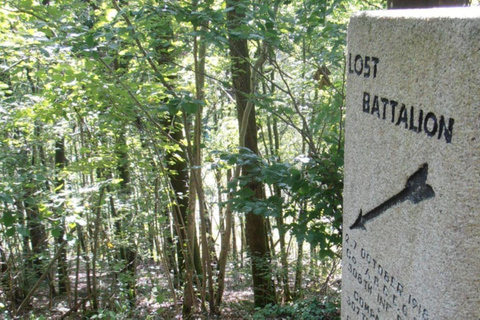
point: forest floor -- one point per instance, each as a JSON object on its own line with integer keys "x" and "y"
{"x": 154, "y": 301}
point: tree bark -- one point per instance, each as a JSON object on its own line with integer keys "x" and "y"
{"x": 128, "y": 252}
{"x": 225, "y": 243}
{"x": 263, "y": 287}
{"x": 196, "y": 189}
{"x": 60, "y": 163}
{"x": 37, "y": 232}
{"x": 299, "y": 271}
{"x": 274, "y": 144}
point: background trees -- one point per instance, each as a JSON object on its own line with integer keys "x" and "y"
{"x": 151, "y": 149}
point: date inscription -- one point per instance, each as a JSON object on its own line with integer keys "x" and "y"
{"x": 378, "y": 293}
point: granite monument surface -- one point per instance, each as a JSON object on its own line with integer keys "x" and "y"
{"x": 411, "y": 234}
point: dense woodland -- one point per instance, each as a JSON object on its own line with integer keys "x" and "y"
{"x": 167, "y": 159}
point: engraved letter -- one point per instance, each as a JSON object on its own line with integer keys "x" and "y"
{"x": 420, "y": 120}
{"x": 400, "y": 289}
{"x": 447, "y": 131}
{"x": 358, "y": 58}
{"x": 430, "y": 132}
{"x": 393, "y": 103}
{"x": 366, "y": 102}
{"x": 385, "y": 102}
{"x": 412, "y": 125}
{"x": 402, "y": 117}
{"x": 376, "y": 107}
{"x": 367, "y": 67}
{"x": 375, "y": 62}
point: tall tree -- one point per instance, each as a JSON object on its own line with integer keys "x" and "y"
{"x": 255, "y": 228}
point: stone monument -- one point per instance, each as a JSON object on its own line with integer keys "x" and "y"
{"x": 411, "y": 234}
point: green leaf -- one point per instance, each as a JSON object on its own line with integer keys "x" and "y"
{"x": 190, "y": 107}
{"x": 56, "y": 232}
{"x": 160, "y": 298}
{"x": 45, "y": 52}
{"x": 10, "y": 232}
{"x": 23, "y": 231}
{"x": 8, "y": 218}
{"x": 90, "y": 40}
{"x": 162, "y": 219}
{"x": 26, "y": 4}
{"x": 6, "y": 198}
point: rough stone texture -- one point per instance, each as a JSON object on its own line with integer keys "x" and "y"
{"x": 414, "y": 260}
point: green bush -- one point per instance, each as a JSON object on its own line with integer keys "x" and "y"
{"x": 309, "y": 309}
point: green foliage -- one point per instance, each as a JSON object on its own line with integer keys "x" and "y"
{"x": 308, "y": 309}
{"x": 115, "y": 85}
{"x": 106, "y": 314}
{"x": 312, "y": 195}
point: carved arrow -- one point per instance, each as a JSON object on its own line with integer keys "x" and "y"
{"x": 416, "y": 190}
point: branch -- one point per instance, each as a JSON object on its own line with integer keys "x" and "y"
{"x": 142, "y": 50}
{"x": 307, "y": 133}
{"x": 253, "y": 83}
{"x": 19, "y": 10}
{"x": 12, "y": 66}
{"x": 137, "y": 102}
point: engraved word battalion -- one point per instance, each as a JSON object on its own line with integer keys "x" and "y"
{"x": 410, "y": 118}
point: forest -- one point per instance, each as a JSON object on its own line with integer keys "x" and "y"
{"x": 172, "y": 159}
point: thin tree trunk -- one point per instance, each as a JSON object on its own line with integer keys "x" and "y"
{"x": 263, "y": 287}
{"x": 274, "y": 140}
{"x": 234, "y": 241}
{"x": 60, "y": 163}
{"x": 194, "y": 153}
{"x": 128, "y": 252}
{"x": 243, "y": 241}
{"x": 98, "y": 219}
{"x": 77, "y": 274}
{"x": 37, "y": 232}
{"x": 168, "y": 245}
{"x": 299, "y": 271}
{"x": 86, "y": 258}
{"x": 225, "y": 243}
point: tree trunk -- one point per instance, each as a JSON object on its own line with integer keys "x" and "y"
{"x": 208, "y": 251}
{"x": 263, "y": 287}
{"x": 234, "y": 242}
{"x": 98, "y": 219}
{"x": 225, "y": 243}
{"x": 274, "y": 140}
{"x": 60, "y": 163}
{"x": 242, "y": 240}
{"x": 128, "y": 252}
{"x": 299, "y": 271}
{"x": 168, "y": 246}
{"x": 37, "y": 231}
